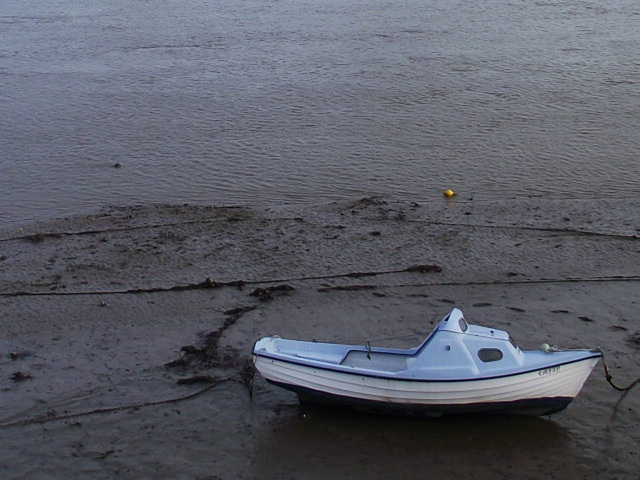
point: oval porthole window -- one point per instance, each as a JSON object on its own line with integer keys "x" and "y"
{"x": 489, "y": 354}
{"x": 463, "y": 325}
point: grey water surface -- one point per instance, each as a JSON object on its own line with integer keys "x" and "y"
{"x": 283, "y": 101}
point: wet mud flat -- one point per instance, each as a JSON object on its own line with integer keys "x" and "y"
{"x": 125, "y": 336}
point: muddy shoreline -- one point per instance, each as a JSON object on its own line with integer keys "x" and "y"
{"x": 107, "y": 318}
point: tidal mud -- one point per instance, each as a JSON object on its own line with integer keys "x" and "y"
{"x": 125, "y": 336}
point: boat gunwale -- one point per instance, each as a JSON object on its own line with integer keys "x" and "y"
{"x": 350, "y": 371}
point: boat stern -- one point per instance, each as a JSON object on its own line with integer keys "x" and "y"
{"x": 265, "y": 344}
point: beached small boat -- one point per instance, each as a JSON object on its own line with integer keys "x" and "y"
{"x": 458, "y": 368}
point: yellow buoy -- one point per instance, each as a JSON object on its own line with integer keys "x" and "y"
{"x": 449, "y": 193}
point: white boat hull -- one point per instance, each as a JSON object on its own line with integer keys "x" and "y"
{"x": 538, "y": 392}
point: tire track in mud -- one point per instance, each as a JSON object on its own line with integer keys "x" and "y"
{"x": 209, "y": 283}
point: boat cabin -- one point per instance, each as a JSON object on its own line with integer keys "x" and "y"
{"x": 453, "y": 348}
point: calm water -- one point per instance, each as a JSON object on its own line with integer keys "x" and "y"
{"x": 265, "y": 101}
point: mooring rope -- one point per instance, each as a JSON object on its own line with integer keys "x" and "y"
{"x": 54, "y": 417}
{"x": 609, "y": 377}
{"x": 253, "y": 375}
